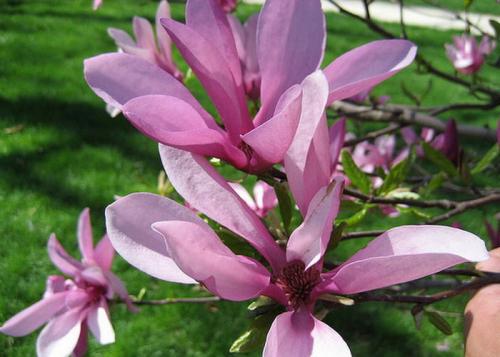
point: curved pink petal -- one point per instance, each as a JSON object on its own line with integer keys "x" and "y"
{"x": 61, "y": 259}
{"x": 61, "y": 335}
{"x": 164, "y": 41}
{"x": 84, "y": 234}
{"x": 251, "y": 60}
{"x": 34, "y": 316}
{"x": 120, "y": 77}
{"x": 207, "y": 191}
{"x": 99, "y": 323}
{"x": 290, "y": 45}
{"x": 54, "y": 284}
{"x": 104, "y": 253}
{"x": 144, "y": 34}
{"x": 121, "y": 38}
{"x": 239, "y": 36}
{"x": 174, "y": 122}
{"x": 405, "y": 253}
{"x": 337, "y": 138}
{"x": 366, "y": 66}
{"x": 299, "y": 334}
{"x": 244, "y": 195}
{"x": 200, "y": 254}
{"x": 307, "y": 160}
{"x": 82, "y": 344}
{"x": 94, "y": 276}
{"x": 309, "y": 241}
{"x": 265, "y": 197}
{"x": 272, "y": 139}
{"x": 213, "y": 72}
{"x": 128, "y": 223}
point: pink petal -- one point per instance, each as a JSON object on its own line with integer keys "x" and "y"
{"x": 164, "y": 41}
{"x": 120, "y": 77}
{"x": 96, "y": 4}
{"x": 82, "y": 344}
{"x": 290, "y": 45}
{"x": 366, "y": 66}
{"x": 307, "y": 161}
{"x": 61, "y": 335}
{"x": 212, "y": 70}
{"x": 54, "y": 284}
{"x": 84, "y": 234}
{"x": 406, "y": 253}
{"x": 272, "y": 139}
{"x": 99, "y": 323}
{"x": 337, "y": 137}
{"x": 104, "y": 253}
{"x": 94, "y": 276}
{"x": 144, "y": 33}
{"x": 61, "y": 259}
{"x": 299, "y": 334}
{"x": 244, "y": 195}
{"x": 409, "y": 136}
{"x": 121, "y": 38}
{"x": 251, "y": 60}
{"x": 174, "y": 122}
{"x": 200, "y": 254}
{"x": 128, "y": 223}
{"x": 119, "y": 289}
{"x": 207, "y": 191}
{"x": 265, "y": 197}
{"x": 310, "y": 240}
{"x": 34, "y": 316}
{"x": 239, "y": 36}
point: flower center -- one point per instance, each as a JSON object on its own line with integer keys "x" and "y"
{"x": 247, "y": 150}
{"x": 297, "y": 283}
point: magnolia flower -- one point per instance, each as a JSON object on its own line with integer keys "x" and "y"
{"x": 264, "y": 198}
{"x": 71, "y": 307}
{"x": 157, "y": 52}
{"x": 482, "y": 314}
{"x": 447, "y": 142}
{"x": 228, "y": 5}
{"x": 245, "y": 37}
{"x": 96, "y": 4}
{"x": 166, "y": 240}
{"x": 379, "y": 154}
{"x": 165, "y": 110}
{"x": 466, "y": 55}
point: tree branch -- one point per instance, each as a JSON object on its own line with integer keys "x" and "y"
{"x": 170, "y": 301}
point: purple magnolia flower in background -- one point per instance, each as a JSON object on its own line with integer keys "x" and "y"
{"x": 156, "y": 51}
{"x": 71, "y": 307}
{"x": 493, "y": 234}
{"x": 228, "y": 5}
{"x": 165, "y": 110}
{"x": 379, "y": 154}
{"x": 264, "y": 198}
{"x": 166, "y": 240}
{"x": 466, "y": 55}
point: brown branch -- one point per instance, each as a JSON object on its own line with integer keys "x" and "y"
{"x": 361, "y": 234}
{"x": 374, "y": 134}
{"x": 170, "y": 301}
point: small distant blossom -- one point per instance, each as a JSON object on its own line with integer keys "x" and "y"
{"x": 296, "y": 278}
{"x": 264, "y": 198}
{"x": 466, "y": 55}
{"x": 228, "y": 5}
{"x": 72, "y": 306}
{"x": 379, "y": 154}
{"x": 156, "y": 51}
{"x": 96, "y": 4}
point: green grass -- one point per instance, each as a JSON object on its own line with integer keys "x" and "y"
{"x": 68, "y": 154}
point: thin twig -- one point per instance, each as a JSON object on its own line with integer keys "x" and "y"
{"x": 170, "y": 301}
{"x": 465, "y": 205}
{"x": 374, "y": 134}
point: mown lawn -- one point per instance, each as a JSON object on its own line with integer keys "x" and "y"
{"x": 60, "y": 152}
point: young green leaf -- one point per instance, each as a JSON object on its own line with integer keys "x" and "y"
{"x": 397, "y": 174}
{"x": 439, "y": 322}
{"x": 285, "y": 205}
{"x": 354, "y": 173}
{"x": 486, "y": 160}
{"x": 438, "y": 158}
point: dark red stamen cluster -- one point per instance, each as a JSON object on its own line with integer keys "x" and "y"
{"x": 297, "y": 283}
{"x": 246, "y": 149}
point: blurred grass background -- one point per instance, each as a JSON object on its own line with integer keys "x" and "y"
{"x": 61, "y": 152}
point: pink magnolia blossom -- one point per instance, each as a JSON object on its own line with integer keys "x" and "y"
{"x": 166, "y": 240}
{"x": 96, "y": 4}
{"x": 228, "y": 5}
{"x": 466, "y": 55}
{"x": 71, "y": 307}
{"x": 493, "y": 234}
{"x": 264, "y": 198}
{"x": 289, "y": 45}
{"x": 156, "y": 51}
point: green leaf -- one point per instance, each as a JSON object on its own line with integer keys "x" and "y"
{"x": 336, "y": 235}
{"x": 467, "y": 4}
{"x": 354, "y": 173}
{"x": 249, "y": 341}
{"x": 397, "y": 174}
{"x": 417, "y": 312}
{"x": 355, "y": 218}
{"x": 496, "y": 26}
{"x": 438, "y": 158}
{"x": 435, "y": 183}
{"x": 486, "y": 160}
{"x": 285, "y": 205}
{"x": 439, "y": 322}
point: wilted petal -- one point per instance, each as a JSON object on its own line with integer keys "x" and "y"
{"x": 61, "y": 259}
{"x": 309, "y": 241}
{"x": 299, "y": 334}
{"x": 34, "y": 316}
{"x": 104, "y": 253}
{"x": 120, "y": 77}
{"x": 405, "y": 253}
{"x": 290, "y": 46}
{"x": 337, "y": 138}
{"x": 307, "y": 160}
{"x": 99, "y": 323}
{"x": 84, "y": 234}
{"x": 60, "y": 336}
{"x": 174, "y": 122}
{"x": 366, "y": 66}
{"x": 213, "y": 72}
{"x": 207, "y": 191}
{"x": 128, "y": 223}
{"x": 200, "y": 254}
{"x": 272, "y": 139}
